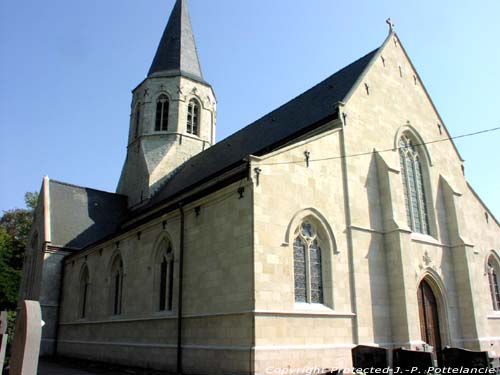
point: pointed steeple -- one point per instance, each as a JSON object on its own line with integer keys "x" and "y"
{"x": 176, "y": 54}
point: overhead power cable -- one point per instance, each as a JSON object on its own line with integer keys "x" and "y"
{"x": 386, "y": 150}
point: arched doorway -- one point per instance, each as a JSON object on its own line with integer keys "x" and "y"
{"x": 429, "y": 318}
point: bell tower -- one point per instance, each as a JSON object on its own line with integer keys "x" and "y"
{"x": 172, "y": 113}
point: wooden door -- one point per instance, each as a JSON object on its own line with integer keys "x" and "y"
{"x": 429, "y": 318}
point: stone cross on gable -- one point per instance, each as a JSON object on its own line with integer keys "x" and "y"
{"x": 391, "y": 24}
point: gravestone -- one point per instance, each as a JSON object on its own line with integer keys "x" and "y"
{"x": 334, "y": 372}
{"x": 410, "y": 361}
{"x": 26, "y": 346}
{"x": 468, "y": 359}
{"x": 3, "y": 337}
{"x": 369, "y": 357}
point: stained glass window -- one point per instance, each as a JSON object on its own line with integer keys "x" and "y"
{"x": 308, "y": 274}
{"x": 413, "y": 186}
{"x": 163, "y": 284}
{"x": 307, "y": 229}
{"x": 316, "y": 274}
{"x": 493, "y": 280}
{"x": 299, "y": 264}
{"x": 162, "y": 106}
{"x": 170, "y": 289}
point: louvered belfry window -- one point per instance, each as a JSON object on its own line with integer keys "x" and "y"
{"x": 308, "y": 275}
{"x": 413, "y": 186}
{"x": 162, "y": 107}
{"x": 193, "y": 117}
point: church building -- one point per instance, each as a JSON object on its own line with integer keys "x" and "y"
{"x": 341, "y": 218}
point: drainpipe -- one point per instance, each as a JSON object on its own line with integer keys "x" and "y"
{"x": 179, "y": 309}
{"x": 348, "y": 218}
{"x": 59, "y": 307}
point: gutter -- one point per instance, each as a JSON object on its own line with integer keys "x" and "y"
{"x": 59, "y": 306}
{"x": 231, "y": 174}
{"x": 239, "y": 173}
{"x": 179, "y": 302}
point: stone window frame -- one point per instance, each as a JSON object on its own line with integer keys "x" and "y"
{"x": 425, "y": 163}
{"x": 307, "y": 238}
{"x": 329, "y": 250}
{"x": 163, "y": 124}
{"x": 493, "y": 272}
{"x": 84, "y": 289}
{"x": 191, "y": 127}
{"x": 164, "y": 252}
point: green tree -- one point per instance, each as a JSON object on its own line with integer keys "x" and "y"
{"x": 15, "y": 226}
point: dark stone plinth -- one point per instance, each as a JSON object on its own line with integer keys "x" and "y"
{"x": 462, "y": 358}
{"x": 412, "y": 361}
{"x": 364, "y": 357}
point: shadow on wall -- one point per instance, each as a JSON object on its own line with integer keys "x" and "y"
{"x": 377, "y": 261}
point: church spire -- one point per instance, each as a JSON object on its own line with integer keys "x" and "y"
{"x": 176, "y": 54}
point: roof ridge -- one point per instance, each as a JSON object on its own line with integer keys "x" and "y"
{"x": 299, "y": 95}
{"x": 376, "y": 52}
{"x": 306, "y": 111}
{"x": 84, "y": 187}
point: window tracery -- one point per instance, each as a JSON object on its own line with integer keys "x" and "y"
{"x": 308, "y": 272}
{"x": 413, "y": 186}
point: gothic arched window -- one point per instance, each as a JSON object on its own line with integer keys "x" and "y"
{"x": 413, "y": 185}
{"x": 493, "y": 281}
{"x": 162, "y": 106}
{"x": 116, "y": 285}
{"x": 164, "y": 276}
{"x": 84, "y": 291}
{"x": 193, "y": 117}
{"x": 307, "y": 266}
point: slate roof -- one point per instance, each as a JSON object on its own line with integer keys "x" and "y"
{"x": 81, "y": 216}
{"x": 281, "y": 125}
{"x": 176, "y": 53}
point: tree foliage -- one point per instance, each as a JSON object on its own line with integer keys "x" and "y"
{"x": 15, "y": 226}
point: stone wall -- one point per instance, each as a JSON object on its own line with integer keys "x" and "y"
{"x": 240, "y": 314}
{"x": 217, "y": 292}
{"x": 153, "y": 155}
{"x": 376, "y": 263}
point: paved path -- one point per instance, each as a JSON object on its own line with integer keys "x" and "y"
{"x": 51, "y": 368}
{"x": 69, "y": 366}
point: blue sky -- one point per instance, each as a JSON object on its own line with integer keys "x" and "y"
{"x": 67, "y": 69}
